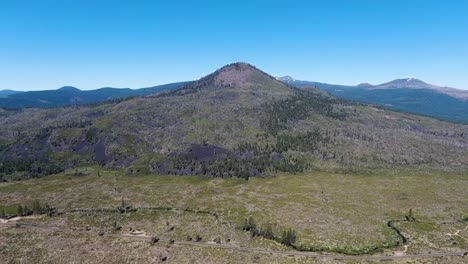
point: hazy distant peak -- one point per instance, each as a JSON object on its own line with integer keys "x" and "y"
{"x": 404, "y": 83}
{"x": 413, "y": 83}
{"x": 365, "y": 85}
{"x": 7, "y": 92}
{"x": 69, "y": 88}
{"x": 407, "y": 83}
{"x": 286, "y": 79}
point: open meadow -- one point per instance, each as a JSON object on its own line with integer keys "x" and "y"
{"x": 108, "y": 216}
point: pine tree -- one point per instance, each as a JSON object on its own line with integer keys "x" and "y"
{"x": 36, "y": 207}
{"x": 26, "y": 210}
{"x": 267, "y": 232}
{"x": 19, "y": 210}
{"x": 289, "y": 237}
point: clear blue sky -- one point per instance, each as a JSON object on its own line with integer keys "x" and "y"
{"x": 92, "y": 43}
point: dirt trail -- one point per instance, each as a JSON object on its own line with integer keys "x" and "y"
{"x": 457, "y": 233}
{"x": 12, "y": 221}
{"x": 251, "y": 249}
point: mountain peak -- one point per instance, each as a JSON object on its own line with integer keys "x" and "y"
{"x": 364, "y": 85}
{"x": 286, "y": 79}
{"x": 69, "y": 88}
{"x": 413, "y": 81}
{"x": 239, "y": 75}
{"x": 407, "y": 83}
{"x": 239, "y": 66}
{"x": 7, "y": 92}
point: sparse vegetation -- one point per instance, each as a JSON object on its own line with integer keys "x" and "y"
{"x": 125, "y": 207}
{"x": 274, "y": 208}
{"x": 154, "y": 240}
{"x": 409, "y": 217}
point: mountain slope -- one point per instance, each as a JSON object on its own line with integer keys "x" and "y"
{"x": 238, "y": 121}
{"x": 70, "y": 95}
{"x": 409, "y": 95}
{"x": 6, "y": 93}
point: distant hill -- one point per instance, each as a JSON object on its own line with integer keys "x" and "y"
{"x": 6, "y": 93}
{"x": 68, "y": 95}
{"x": 410, "y": 95}
{"x": 236, "y": 122}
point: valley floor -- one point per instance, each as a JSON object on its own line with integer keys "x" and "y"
{"x": 199, "y": 220}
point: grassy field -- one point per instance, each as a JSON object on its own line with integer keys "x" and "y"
{"x": 332, "y": 212}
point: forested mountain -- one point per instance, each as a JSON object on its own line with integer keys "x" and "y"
{"x": 237, "y": 121}
{"x": 68, "y": 95}
{"x": 7, "y": 92}
{"x": 409, "y": 95}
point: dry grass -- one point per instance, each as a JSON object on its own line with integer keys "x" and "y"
{"x": 329, "y": 210}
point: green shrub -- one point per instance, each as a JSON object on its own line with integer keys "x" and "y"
{"x": 266, "y": 231}
{"x": 249, "y": 224}
{"x": 288, "y": 237}
{"x": 2, "y": 212}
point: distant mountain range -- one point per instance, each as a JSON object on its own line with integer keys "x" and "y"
{"x": 68, "y": 95}
{"x": 410, "y": 95}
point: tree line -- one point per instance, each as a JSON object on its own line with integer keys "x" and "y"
{"x": 301, "y": 105}
{"x": 34, "y": 208}
{"x": 287, "y": 237}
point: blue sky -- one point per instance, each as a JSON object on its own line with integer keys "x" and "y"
{"x": 90, "y": 44}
